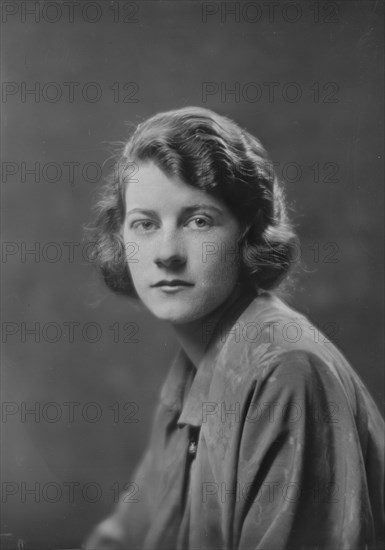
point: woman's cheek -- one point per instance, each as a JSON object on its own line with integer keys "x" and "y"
{"x": 220, "y": 272}
{"x": 221, "y": 256}
{"x": 138, "y": 265}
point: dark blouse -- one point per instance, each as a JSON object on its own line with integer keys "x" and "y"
{"x": 273, "y": 443}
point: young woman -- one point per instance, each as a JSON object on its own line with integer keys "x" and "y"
{"x": 264, "y": 437}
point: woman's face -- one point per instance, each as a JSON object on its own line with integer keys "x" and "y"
{"x": 181, "y": 246}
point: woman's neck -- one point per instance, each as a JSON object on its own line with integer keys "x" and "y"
{"x": 195, "y": 336}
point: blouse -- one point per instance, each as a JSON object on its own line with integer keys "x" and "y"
{"x": 272, "y": 443}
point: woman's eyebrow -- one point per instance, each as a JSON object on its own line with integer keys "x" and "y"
{"x": 186, "y": 210}
{"x": 195, "y": 207}
{"x": 141, "y": 211}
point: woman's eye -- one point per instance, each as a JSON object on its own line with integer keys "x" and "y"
{"x": 143, "y": 225}
{"x": 200, "y": 222}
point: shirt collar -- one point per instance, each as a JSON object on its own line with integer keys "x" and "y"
{"x": 187, "y": 388}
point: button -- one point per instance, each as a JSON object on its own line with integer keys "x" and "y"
{"x": 192, "y": 448}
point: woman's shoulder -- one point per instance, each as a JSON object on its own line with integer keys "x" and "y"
{"x": 273, "y": 345}
{"x": 269, "y": 328}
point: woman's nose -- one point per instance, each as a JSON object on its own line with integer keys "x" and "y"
{"x": 170, "y": 251}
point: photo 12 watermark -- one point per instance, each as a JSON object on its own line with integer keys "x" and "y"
{"x": 270, "y": 12}
{"x": 68, "y": 492}
{"x": 69, "y": 92}
{"x": 269, "y": 332}
{"x": 271, "y": 491}
{"x": 69, "y": 11}
{"x": 270, "y": 92}
{"x": 267, "y": 412}
{"x": 69, "y": 412}
{"x": 69, "y": 332}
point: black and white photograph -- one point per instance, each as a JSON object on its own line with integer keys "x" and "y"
{"x": 192, "y": 267}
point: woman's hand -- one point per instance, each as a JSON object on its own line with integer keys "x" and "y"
{"x": 108, "y": 535}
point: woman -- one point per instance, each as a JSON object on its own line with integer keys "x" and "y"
{"x": 264, "y": 437}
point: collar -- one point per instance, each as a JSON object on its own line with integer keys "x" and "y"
{"x": 186, "y": 387}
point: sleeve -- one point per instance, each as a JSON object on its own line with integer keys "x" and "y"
{"x": 301, "y": 468}
{"x": 131, "y": 519}
{"x": 126, "y": 527}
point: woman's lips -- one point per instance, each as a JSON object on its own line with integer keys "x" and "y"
{"x": 173, "y": 289}
{"x": 173, "y": 286}
{"x": 172, "y": 283}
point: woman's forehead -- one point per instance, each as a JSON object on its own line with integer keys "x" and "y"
{"x": 150, "y": 185}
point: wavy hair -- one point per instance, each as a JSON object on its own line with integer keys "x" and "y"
{"x": 212, "y": 153}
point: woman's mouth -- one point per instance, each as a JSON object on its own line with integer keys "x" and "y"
{"x": 172, "y": 285}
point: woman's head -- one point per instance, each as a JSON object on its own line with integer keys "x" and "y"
{"x": 172, "y": 162}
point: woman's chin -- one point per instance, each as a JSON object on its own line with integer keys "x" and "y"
{"x": 176, "y": 314}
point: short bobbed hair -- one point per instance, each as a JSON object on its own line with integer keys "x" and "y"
{"x": 211, "y": 153}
